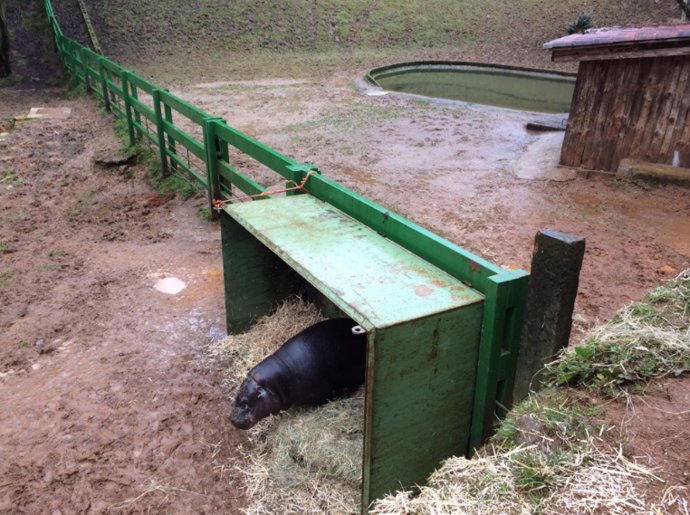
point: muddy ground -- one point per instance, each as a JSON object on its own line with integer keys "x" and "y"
{"x": 107, "y": 401}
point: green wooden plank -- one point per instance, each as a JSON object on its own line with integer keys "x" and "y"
{"x": 449, "y": 257}
{"x": 142, "y": 130}
{"x": 360, "y": 271}
{"x": 258, "y": 151}
{"x": 186, "y": 140}
{"x": 142, "y": 84}
{"x": 184, "y": 108}
{"x": 114, "y": 88}
{"x": 182, "y": 164}
{"x": 143, "y": 109}
{"x": 256, "y": 280}
{"x": 498, "y": 350}
{"x": 419, "y": 391}
{"x": 236, "y": 178}
{"x": 111, "y": 65}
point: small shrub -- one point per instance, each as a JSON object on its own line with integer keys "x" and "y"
{"x": 581, "y": 24}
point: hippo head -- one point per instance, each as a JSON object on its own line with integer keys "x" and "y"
{"x": 253, "y": 403}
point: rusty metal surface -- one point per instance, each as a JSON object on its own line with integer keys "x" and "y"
{"x": 660, "y": 34}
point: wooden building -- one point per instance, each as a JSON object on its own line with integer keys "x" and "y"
{"x": 632, "y": 96}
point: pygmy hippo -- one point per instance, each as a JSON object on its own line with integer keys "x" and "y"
{"x": 324, "y": 361}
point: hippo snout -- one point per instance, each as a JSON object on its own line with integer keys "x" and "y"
{"x": 242, "y": 418}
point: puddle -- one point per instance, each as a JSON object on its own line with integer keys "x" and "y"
{"x": 49, "y": 112}
{"x": 170, "y": 285}
{"x": 540, "y": 160}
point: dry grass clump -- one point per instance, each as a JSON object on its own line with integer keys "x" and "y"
{"x": 650, "y": 338}
{"x": 303, "y": 460}
{"x": 269, "y": 332}
{"x": 307, "y": 461}
{"x": 549, "y": 457}
{"x": 552, "y": 455}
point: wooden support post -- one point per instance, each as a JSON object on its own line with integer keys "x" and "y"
{"x": 85, "y": 62}
{"x": 104, "y": 84}
{"x": 213, "y": 152}
{"x": 160, "y": 131}
{"x": 556, "y": 263}
{"x": 124, "y": 79}
{"x": 171, "y": 141}
{"x": 135, "y": 113}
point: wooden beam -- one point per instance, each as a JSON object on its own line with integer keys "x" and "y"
{"x": 609, "y": 53}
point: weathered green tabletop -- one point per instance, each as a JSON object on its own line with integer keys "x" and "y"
{"x": 423, "y": 325}
{"x": 362, "y": 272}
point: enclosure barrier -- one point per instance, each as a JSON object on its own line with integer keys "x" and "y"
{"x": 202, "y": 147}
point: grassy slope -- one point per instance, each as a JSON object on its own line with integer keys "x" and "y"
{"x": 177, "y": 25}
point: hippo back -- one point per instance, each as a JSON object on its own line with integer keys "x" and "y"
{"x": 324, "y": 361}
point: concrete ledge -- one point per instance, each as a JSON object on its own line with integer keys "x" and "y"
{"x": 629, "y": 168}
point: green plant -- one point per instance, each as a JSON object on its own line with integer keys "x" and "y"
{"x": 205, "y": 213}
{"x": 76, "y": 89}
{"x": 57, "y": 253}
{"x": 176, "y": 182}
{"x": 84, "y": 201}
{"x": 580, "y": 24}
{"x": 23, "y": 344}
{"x": 645, "y": 340}
{"x": 5, "y": 247}
{"x": 8, "y": 176}
{"x": 558, "y": 415}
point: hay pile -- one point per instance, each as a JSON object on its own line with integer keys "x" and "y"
{"x": 306, "y": 460}
{"x": 648, "y": 339}
{"x": 551, "y": 455}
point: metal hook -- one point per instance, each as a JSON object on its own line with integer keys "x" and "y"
{"x": 358, "y": 329}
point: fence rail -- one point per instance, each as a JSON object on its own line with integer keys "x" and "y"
{"x": 197, "y": 148}
{"x": 202, "y": 154}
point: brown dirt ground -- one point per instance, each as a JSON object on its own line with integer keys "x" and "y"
{"x": 107, "y": 403}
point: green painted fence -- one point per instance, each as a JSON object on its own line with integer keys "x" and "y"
{"x": 153, "y": 116}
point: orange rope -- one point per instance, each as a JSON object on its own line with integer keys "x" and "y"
{"x": 218, "y": 204}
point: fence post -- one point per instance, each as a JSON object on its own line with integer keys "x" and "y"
{"x": 171, "y": 141}
{"x": 504, "y": 306}
{"x": 213, "y": 152}
{"x": 81, "y": 73}
{"x": 135, "y": 96}
{"x": 87, "y": 77}
{"x": 104, "y": 84}
{"x": 124, "y": 79}
{"x": 556, "y": 263}
{"x": 160, "y": 131}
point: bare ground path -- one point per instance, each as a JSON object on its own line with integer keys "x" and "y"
{"x": 106, "y": 400}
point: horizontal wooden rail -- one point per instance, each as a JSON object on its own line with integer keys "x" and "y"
{"x": 212, "y": 168}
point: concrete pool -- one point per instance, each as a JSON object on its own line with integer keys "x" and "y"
{"x": 502, "y": 86}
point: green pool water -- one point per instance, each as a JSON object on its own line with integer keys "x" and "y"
{"x": 515, "y": 88}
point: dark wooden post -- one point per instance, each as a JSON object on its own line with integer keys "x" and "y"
{"x": 556, "y": 263}
{"x": 5, "y": 69}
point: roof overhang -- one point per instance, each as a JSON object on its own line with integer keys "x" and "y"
{"x": 622, "y": 43}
